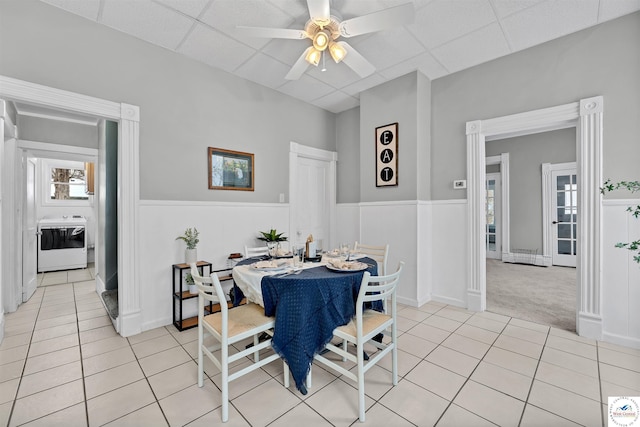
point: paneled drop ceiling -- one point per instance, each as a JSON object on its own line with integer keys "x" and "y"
{"x": 447, "y": 36}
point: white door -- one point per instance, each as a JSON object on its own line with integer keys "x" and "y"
{"x": 493, "y": 209}
{"x": 312, "y": 195}
{"x": 564, "y": 214}
{"x": 29, "y": 236}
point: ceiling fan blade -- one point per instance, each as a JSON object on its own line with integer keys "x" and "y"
{"x": 299, "y": 67}
{"x": 377, "y": 21}
{"x": 356, "y": 61}
{"x": 319, "y": 10}
{"x": 273, "y": 33}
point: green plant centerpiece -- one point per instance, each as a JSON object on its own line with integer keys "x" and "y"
{"x": 190, "y": 237}
{"x": 273, "y": 239}
{"x": 272, "y": 236}
{"x": 632, "y": 186}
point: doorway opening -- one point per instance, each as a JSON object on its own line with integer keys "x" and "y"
{"x": 587, "y": 117}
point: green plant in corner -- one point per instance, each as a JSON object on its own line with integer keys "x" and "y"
{"x": 272, "y": 236}
{"x": 190, "y": 237}
{"x": 632, "y": 186}
{"x": 188, "y": 279}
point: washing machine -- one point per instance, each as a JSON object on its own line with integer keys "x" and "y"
{"x": 62, "y": 243}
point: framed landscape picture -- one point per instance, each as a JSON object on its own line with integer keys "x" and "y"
{"x": 387, "y": 155}
{"x": 230, "y": 170}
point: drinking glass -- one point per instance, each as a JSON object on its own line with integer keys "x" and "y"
{"x": 298, "y": 256}
{"x": 344, "y": 251}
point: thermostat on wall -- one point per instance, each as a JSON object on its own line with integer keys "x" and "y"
{"x": 460, "y": 183}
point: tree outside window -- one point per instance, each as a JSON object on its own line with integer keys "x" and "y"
{"x": 67, "y": 184}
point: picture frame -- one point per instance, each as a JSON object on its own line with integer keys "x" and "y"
{"x": 230, "y": 170}
{"x": 387, "y": 155}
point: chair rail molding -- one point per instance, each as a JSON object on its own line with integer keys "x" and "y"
{"x": 129, "y": 321}
{"x": 587, "y": 116}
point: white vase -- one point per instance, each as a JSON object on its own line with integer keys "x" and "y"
{"x": 193, "y": 289}
{"x": 191, "y": 255}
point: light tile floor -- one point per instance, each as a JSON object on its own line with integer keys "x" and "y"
{"x": 63, "y": 364}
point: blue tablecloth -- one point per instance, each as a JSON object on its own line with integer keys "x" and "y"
{"x": 308, "y": 306}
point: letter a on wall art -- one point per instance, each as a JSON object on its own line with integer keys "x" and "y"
{"x": 387, "y": 155}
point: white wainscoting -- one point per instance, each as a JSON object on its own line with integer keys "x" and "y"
{"x": 620, "y": 275}
{"x": 449, "y": 247}
{"x": 224, "y": 228}
{"x": 394, "y": 223}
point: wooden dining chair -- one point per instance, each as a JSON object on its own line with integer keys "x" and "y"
{"x": 229, "y": 326}
{"x": 377, "y": 253}
{"x": 259, "y": 251}
{"x": 362, "y": 329}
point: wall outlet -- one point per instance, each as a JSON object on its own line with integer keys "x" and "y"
{"x": 460, "y": 183}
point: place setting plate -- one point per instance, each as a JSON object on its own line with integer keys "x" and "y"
{"x": 351, "y": 266}
{"x": 268, "y": 266}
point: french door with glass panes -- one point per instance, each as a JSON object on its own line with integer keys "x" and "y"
{"x": 564, "y": 199}
{"x": 493, "y": 203}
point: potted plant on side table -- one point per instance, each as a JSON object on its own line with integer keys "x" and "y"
{"x": 190, "y": 237}
{"x": 191, "y": 284}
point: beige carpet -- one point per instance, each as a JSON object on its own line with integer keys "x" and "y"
{"x": 545, "y": 295}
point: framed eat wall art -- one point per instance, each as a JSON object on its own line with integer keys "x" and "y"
{"x": 387, "y": 155}
{"x": 230, "y": 170}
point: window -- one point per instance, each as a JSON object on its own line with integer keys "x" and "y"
{"x": 65, "y": 183}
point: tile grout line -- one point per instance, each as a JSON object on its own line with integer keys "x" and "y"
{"x": 24, "y": 366}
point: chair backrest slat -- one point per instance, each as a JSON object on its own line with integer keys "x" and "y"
{"x": 378, "y": 253}
{"x": 374, "y": 288}
{"x": 259, "y": 251}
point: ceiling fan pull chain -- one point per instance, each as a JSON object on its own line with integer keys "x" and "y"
{"x": 324, "y": 68}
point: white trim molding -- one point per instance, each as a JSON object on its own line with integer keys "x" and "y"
{"x": 587, "y": 116}
{"x": 128, "y": 118}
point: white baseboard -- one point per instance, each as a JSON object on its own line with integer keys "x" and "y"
{"x": 540, "y": 260}
{"x": 408, "y": 301}
{"x": 621, "y": 340}
{"x": 449, "y": 301}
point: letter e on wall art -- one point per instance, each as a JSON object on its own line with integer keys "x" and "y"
{"x": 387, "y": 155}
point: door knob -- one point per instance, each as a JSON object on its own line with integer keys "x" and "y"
{"x": 554, "y": 222}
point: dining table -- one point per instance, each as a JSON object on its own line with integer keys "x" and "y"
{"x": 308, "y": 304}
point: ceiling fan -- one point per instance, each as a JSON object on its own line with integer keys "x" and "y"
{"x": 324, "y": 30}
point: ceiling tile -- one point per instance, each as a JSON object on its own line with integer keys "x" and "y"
{"x": 87, "y": 8}
{"x": 385, "y": 48}
{"x": 549, "y": 20}
{"x": 425, "y": 62}
{"x": 264, "y": 70}
{"x": 613, "y": 9}
{"x": 509, "y": 7}
{"x": 226, "y": 15}
{"x": 444, "y": 20}
{"x": 215, "y": 49}
{"x": 306, "y": 88}
{"x": 473, "y": 49}
{"x": 337, "y": 102}
{"x": 191, "y": 8}
{"x": 146, "y": 20}
{"x": 287, "y": 51}
{"x": 354, "y": 89}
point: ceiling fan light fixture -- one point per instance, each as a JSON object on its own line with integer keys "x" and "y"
{"x": 313, "y": 56}
{"x": 337, "y": 51}
{"x": 321, "y": 40}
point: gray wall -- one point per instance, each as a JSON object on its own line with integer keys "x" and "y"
{"x": 185, "y": 106}
{"x": 526, "y": 156}
{"x": 348, "y": 147}
{"x": 603, "y": 60}
{"x": 392, "y": 102}
{"x": 57, "y": 132}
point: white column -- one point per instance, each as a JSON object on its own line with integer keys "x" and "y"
{"x": 589, "y": 266}
{"x": 130, "y": 312}
{"x": 476, "y": 221}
